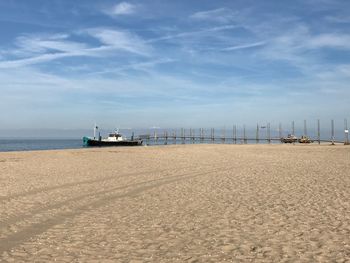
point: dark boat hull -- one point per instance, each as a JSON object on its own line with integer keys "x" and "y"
{"x": 289, "y": 140}
{"x": 93, "y": 142}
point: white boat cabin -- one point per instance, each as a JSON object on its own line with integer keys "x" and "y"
{"x": 114, "y": 137}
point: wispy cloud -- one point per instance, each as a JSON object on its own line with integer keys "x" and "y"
{"x": 37, "y": 59}
{"x": 123, "y": 8}
{"x": 193, "y": 33}
{"x": 329, "y": 40}
{"x": 141, "y": 66}
{"x": 38, "y": 49}
{"x": 221, "y": 15}
{"x": 121, "y": 40}
{"x": 245, "y": 46}
{"x": 300, "y": 47}
{"x": 40, "y": 44}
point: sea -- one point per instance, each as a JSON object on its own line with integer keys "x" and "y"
{"x": 33, "y": 144}
{"x": 9, "y": 145}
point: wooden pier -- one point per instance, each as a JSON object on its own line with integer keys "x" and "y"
{"x": 230, "y": 136}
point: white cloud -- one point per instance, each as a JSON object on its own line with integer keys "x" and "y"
{"x": 35, "y": 60}
{"x": 122, "y": 8}
{"x": 40, "y": 44}
{"x": 193, "y": 33}
{"x": 121, "y": 40}
{"x": 329, "y": 40}
{"x": 222, "y": 15}
{"x": 245, "y": 46}
{"x": 141, "y": 66}
{"x": 38, "y": 49}
{"x": 294, "y": 45}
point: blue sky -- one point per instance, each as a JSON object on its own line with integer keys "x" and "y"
{"x": 67, "y": 64}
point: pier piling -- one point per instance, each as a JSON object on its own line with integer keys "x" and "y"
{"x": 346, "y": 131}
{"x": 332, "y": 132}
{"x": 318, "y": 132}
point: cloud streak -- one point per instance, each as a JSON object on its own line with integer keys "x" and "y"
{"x": 141, "y": 66}
{"x": 221, "y": 15}
{"x": 39, "y": 49}
{"x": 245, "y": 46}
{"x": 121, "y": 40}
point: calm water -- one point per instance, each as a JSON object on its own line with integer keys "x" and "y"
{"x": 7, "y": 145}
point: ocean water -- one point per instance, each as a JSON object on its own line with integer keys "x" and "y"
{"x": 8, "y": 145}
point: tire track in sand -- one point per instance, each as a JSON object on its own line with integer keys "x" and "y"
{"x": 20, "y": 217}
{"x": 67, "y": 185}
{"x": 38, "y": 228}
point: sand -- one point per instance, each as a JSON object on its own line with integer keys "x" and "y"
{"x": 184, "y": 203}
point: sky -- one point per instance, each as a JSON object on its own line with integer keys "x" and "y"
{"x": 160, "y": 63}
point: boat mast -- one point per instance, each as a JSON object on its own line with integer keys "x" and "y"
{"x": 95, "y": 129}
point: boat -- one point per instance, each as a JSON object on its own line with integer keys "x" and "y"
{"x": 289, "y": 139}
{"x": 113, "y": 139}
{"x": 305, "y": 139}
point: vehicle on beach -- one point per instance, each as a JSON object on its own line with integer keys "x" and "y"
{"x": 113, "y": 139}
{"x": 289, "y": 139}
{"x": 305, "y": 139}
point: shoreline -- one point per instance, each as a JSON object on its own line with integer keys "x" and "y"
{"x": 315, "y": 144}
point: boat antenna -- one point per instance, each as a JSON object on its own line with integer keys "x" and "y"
{"x": 95, "y": 129}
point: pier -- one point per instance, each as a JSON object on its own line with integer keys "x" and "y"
{"x": 239, "y": 135}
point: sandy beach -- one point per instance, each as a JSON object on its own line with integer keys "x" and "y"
{"x": 181, "y": 203}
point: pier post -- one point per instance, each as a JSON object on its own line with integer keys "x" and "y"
{"x": 293, "y": 130}
{"x": 268, "y": 133}
{"x": 234, "y": 134}
{"x": 174, "y": 136}
{"x": 332, "y": 128}
{"x": 183, "y": 135}
{"x": 318, "y": 132}
{"x": 224, "y": 134}
{"x": 191, "y": 135}
{"x": 155, "y": 137}
{"x": 257, "y": 133}
{"x": 194, "y": 135}
{"x": 280, "y": 131}
{"x": 244, "y": 135}
{"x": 346, "y": 131}
{"x": 213, "y": 137}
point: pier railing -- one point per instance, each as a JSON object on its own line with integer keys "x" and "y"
{"x": 239, "y": 135}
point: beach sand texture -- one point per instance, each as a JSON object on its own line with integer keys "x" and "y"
{"x": 182, "y": 203}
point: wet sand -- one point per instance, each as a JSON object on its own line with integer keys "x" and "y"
{"x": 184, "y": 203}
